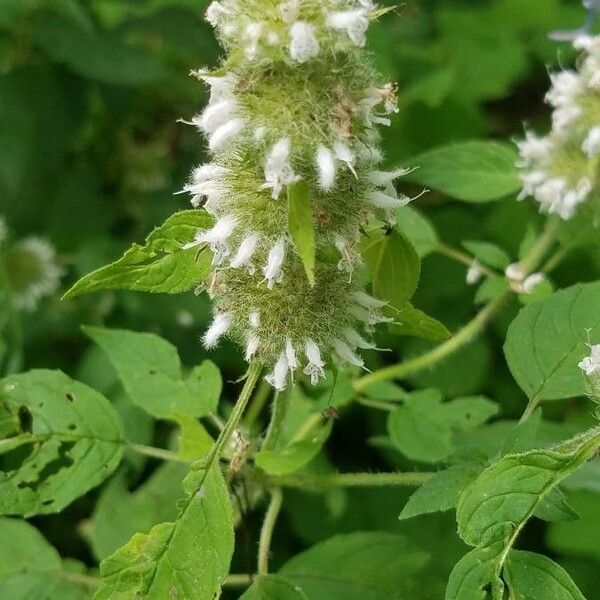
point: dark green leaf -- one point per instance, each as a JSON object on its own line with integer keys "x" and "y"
{"x": 414, "y": 322}
{"x": 301, "y": 227}
{"x": 273, "y": 587}
{"x": 417, "y": 229}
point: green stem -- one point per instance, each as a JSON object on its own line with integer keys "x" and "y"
{"x": 460, "y": 339}
{"x": 155, "y": 452}
{"x": 535, "y": 256}
{"x": 280, "y": 404}
{"x": 241, "y": 580}
{"x": 15, "y": 360}
{"x": 462, "y": 257}
{"x": 377, "y": 404}
{"x": 350, "y": 480}
{"x": 266, "y": 533}
{"x": 258, "y": 403}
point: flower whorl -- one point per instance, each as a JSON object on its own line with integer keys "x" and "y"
{"x": 296, "y": 100}
{"x": 561, "y": 169}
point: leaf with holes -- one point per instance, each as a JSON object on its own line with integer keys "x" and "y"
{"x": 548, "y": 339}
{"x": 185, "y": 559}
{"x": 161, "y": 265}
{"x": 150, "y": 370}
{"x": 68, "y": 440}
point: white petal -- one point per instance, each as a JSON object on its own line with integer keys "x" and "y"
{"x": 591, "y": 145}
{"x": 326, "y": 168}
{"x": 290, "y": 354}
{"x": 219, "y": 327}
{"x": 385, "y": 201}
{"x": 272, "y": 270}
{"x": 532, "y": 282}
{"x": 278, "y": 377}
{"x": 217, "y": 115}
{"x": 252, "y": 346}
{"x": 357, "y": 341}
{"x": 304, "y": 45}
{"x": 345, "y": 353}
{"x": 245, "y": 251}
{"x": 225, "y": 134}
{"x": 254, "y": 319}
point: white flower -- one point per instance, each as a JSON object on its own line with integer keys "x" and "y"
{"x": 591, "y": 365}
{"x": 385, "y": 178}
{"x": 216, "y": 115}
{"x": 354, "y": 22}
{"x": 216, "y": 238}
{"x": 304, "y": 45}
{"x": 278, "y": 171}
{"x": 533, "y": 148}
{"x": 253, "y": 34}
{"x": 515, "y": 273}
{"x": 245, "y": 252}
{"x": 272, "y": 270}
{"x": 326, "y": 168}
{"x": 221, "y": 87}
{"x": 346, "y": 155}
{"x": 565, "y": 86}
{"x": 386, "y": 201}
{"x": 532, "y": 281}
{"x": 225, "y": 134}
{"x": 289, "y": 11}
{"x": 252, "y": 346}
{"x": 474, "y": 274}
{"x": 591, "y": 145}
{"x": 206, "y": 183}
{"x": 368, "y": 309}
{"x": 214, "y": 13}
{"x": 278, "y": 377}
{"x": 254, "y": 319}
{"x": 357, "y": 341}
{"x": 290, "y": 354}
{"x": 314, "y": 369}
{"x": 346, "y": 354}
{"x": 219, "y": 327}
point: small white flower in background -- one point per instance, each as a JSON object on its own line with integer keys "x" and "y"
{"x": 289, "y": 11}
{"x": 278, "y": 170}
{"x": 273, "y": 269}
{"x": 591, "y": 145}
{"x": 278, "y": 377}
{"x": 216, "y": 238}
{"x": 304, "y": 45}
{"x": 214, "y": 13}
{"x": 532, "y": 282}
{"x": 533, "y": 148}
{"x": 591, "y": 364}
{"x": 514, "y": 273}
{"x": 354, "y": 22}
{"x": 474, "y": 273}
{"x": 315, "y": 367}
{"x": 219, "y": 327}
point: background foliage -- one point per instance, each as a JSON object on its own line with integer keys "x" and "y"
{"x": 91, "y": 154}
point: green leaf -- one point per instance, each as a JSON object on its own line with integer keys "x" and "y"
{"x": 394, "y": 265}
{"x": 119, "y": 513}
{"x": 31, "y": 568}
{"x": 358, "y": 566}
{"x": 488, "y": 254}
{"x": 301, "y": 227}
{"x": 549, "y": 338}
{"x": 414, "y": 322}
{"x": 295, "y": 455}
{"x": 534, "y": 577}
{"x": 422, "y": 428}
{"x": 417, "y": 229}
{"x": 161, "y": 265}
{"x": 474, "y": 171}
{"x": 273, "y": 587}
{"x": 69, "y": 440}
{"x": 441, "y": 492}
{"x": 185, "y": 559}
{"x": 492, "y": 287}
{"x": 150, "y": 370}
{"x": 555, "y": 507}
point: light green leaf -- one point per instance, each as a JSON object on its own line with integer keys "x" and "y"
{"x": 301, "y": 227}
{"x": 417, "y": 229}
{"x": 119, "y": 513}
{"x": 488, "y": 254}
{"x": 31, "y": 568}
{"x": 185, "y": 559}
{"x": 150, "y": 370}
{"x": 555, "y": 507}
{"x": 441, "y": 492}
{"x": 68, "y": 441}
{"x": 534, "y": 577}
{"x": 358, "y": 566}
{"x": 161, "y": 265}
{"x": 414, "y": 322}
{"x": 394, "y": 265}
{"x": 548, "y": 339}
{"x": 194, "y": 441}
{"x": 295, "y": 455}
{"x": 492, "y": 287}
{"x": 273, "y": 587}
{"x": 476, "y": 171}
{"x": 422, "y": 428}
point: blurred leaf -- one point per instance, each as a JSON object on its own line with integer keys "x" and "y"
{"x": 414, "y": 322}
{"x": 162, "y": 265}
{"x": 394, "y": 266}
{"x": 555, "y": 507}
{"x": 417, "y": 229}
{"x": 548, "y": 339}
{"x": 492, "y": 287}
{"x": 188, "y": 558}
{"x": 489, "y": 254}
{"x": 358, "y": 566}
{"x": 470, "y": 171}
{"x": 69, "y": 440}
{"x": 273, "y": 587}
{"x": 150, "y": 370}
{"x": 300, "y": 226}
{"x": 194, "y": 441}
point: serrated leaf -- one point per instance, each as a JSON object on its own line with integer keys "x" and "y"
{"x": 31, "y": 568}
{"x": 413, "y": 322}
{"x": 534, "y": 577}
{"x": 417, "y": 229}
{"x": 548, "y": 339}
{"x": 422, "y": 428}
{"x": 119, "y": 513}
{"x": 394, "y": 266}
{"x": 488, "y": 254}
{"x": 150, "y": 370}
{"x": 69, "y": 441}
{"x": 301, "y": 226}
{"x": 474, "y": 171}
{"x": 441, "y": 492}
{"x": 296, "y": 454}
{"x": 161, "y": 265}
{"x": 358, "y": 566}
{"x": 273, "y": 587}
{"x": 185, "y": 559}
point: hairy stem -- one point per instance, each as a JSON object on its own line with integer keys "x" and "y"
{"x": 351, "y": 480}
{"x": 266, "y": 533}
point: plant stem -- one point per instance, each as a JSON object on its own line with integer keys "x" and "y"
{"x": 155, "y": 452}
{"x": 541, "y": 247}
{"x": 277, "y": 417}
{"x": 462, "y": 257}
{"x": 377, "y": 404}
{"x": 241, "y": 580}
{"x": 266, "y": 533}
{"x": 461, "y": 338}
{"x": 350, "y": 480}
{"x": 258, "y": 403}
{"x": 15, "y": 358}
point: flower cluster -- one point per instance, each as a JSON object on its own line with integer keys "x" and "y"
{"x": 295, "y": 101}
{"x": 561, "y": 169}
